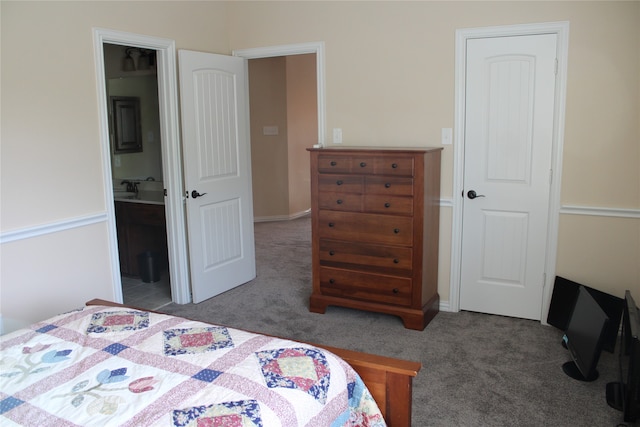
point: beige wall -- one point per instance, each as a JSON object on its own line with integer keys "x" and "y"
{"x": 389, "y": 80}
{"x": 302, "y": 115}
{"x": 269, "y": 166}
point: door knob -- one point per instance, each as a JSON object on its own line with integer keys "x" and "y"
{"x": 195, "y": 194}
{"x": 472, "y": 194}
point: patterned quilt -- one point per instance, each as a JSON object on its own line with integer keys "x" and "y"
{"x": 107, "y": 366}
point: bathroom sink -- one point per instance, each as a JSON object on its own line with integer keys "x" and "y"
{"x": 122, "y": 194}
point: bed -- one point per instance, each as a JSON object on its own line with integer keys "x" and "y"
{"x": 108, "y": 364}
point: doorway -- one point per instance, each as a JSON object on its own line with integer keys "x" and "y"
{"x": 170, "y": 152}
{"x": 463, "y": 232}
{"x": 284, "y": 123}
{"x": 298, "y": 179}
{"x": 134, "y": 123}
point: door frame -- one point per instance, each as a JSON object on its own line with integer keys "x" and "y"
{"x": 171, "y": 157}
{"x": 297, "y": 49}
{"x": 561, "y": 29}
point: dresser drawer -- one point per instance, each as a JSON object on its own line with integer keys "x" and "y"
{"x": 388, "y": 205}
{"x": 380, "y": 165}
{"x": 334, "y": 163}
{"x": 365, "y": 287}
{"x": 366, "y": 256}
{"x": 341, "y": 183}
{"x": 362, "y": 227}
{"x": 340, "y": 201}
{"x": 366, "y": 164}
{"x": 396, "y": 166}
{"x": 390, "y": 185}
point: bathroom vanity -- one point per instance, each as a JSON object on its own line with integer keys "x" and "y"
{"x": 141, "y": 225}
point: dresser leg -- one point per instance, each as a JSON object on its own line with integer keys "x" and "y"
{"x": 317, "y": 305}
{"x": 420, "y": 320}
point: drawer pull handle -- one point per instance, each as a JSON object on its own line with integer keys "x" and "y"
{"x": 362, "y": 164}
{"x": 396, "y": 230}
{"x": 331, "y": 224}
{"x": 339, "y": 182}
{"x": 394, "y": 166}
{"x": 396, "y": 290}
{"x": 332, "y": 281}
{"x": 387, "y": 185}
{"x": 332, "y": 253}
{"x": 333, "y": 163}
{"x": 339, "y": 201}
{"x": 387, "y": 205}
{"x": 396, "y": 261}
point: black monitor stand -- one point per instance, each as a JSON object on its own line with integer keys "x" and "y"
{"x": 572, "y": 370}
{"x": 614, "y": 396}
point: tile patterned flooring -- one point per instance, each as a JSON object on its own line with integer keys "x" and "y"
{"x": 150, "y": 296}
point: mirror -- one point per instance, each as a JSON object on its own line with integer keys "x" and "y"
{"x": 127, "y": 133}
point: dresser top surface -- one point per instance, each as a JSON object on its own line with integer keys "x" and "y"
{"x": 360, "y": 149}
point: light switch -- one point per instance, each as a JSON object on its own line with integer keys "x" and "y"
{"x": 447, "y": 136}
{"x": 270, "y": 130}
{"x": 116, "y": 161}
{"x": 337, "y": 136}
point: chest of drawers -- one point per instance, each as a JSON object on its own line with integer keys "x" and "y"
{"x": 375, "y": 222}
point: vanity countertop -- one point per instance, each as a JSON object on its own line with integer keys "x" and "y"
{"x": 148, "y": 197}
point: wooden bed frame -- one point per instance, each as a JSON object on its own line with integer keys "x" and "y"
{"x": 389, "y": 380}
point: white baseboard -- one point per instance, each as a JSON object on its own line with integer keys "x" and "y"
{"x": 282, "y": 217}
{"x": 444, "y": 306}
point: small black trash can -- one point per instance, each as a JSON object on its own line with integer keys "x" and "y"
{"x": 149, "y": 266}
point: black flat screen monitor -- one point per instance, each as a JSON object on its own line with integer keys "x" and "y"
{"x": 584, "y": 337}
{"x": 625, "y": 394}
{"x": 564, "y": 296}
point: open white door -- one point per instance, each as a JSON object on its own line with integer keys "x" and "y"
{"x": 217, "y": 168}
{"x": 510, "y": 95}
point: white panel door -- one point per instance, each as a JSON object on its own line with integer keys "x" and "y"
{"x": 510, "y": 92}
{"x": 217, "y": 168}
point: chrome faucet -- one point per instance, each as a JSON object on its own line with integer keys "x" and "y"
{"x": 132, "y": 186}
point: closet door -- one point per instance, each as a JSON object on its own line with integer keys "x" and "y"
{"x": 510, "y": 101}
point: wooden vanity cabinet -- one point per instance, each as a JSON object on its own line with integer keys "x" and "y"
{"x": 375, "y": 227}
{"x": 141, "y": 227}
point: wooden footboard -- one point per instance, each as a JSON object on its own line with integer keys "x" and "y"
{"x": 389, "y": 380}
